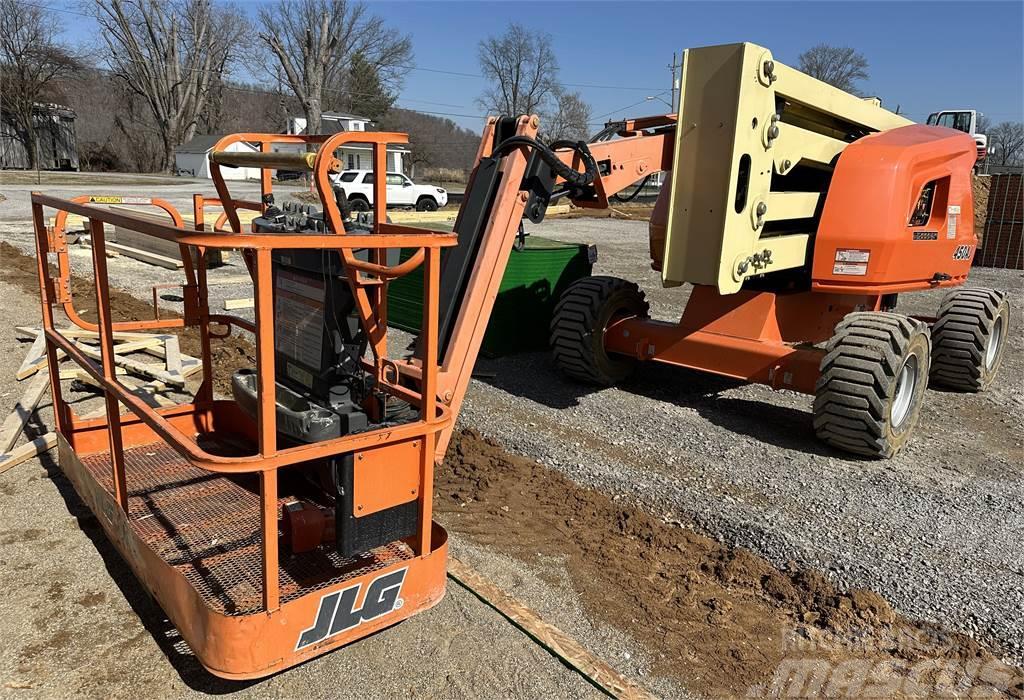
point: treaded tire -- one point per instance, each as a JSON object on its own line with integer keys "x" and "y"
{"x": 358, "y": 203}
{"x": 426, "y": 203}
{"x": 969, "y": 322}
{"x": 860, "y": 403}
{"x": 580, "y": 319}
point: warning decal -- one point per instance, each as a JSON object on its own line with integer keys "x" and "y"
{"x": 952, "y": 214}
{"x": 852, "y": 255}
{"x": 116, "y": 199}
{"x": 841, "y": 268}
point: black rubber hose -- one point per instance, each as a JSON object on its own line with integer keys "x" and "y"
{"x": 571, "y": 176}
{"x": 630, "y": 198}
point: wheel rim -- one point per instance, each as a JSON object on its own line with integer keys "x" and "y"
{"x": 995, "y": 340}
{"x": 903, "y": 398}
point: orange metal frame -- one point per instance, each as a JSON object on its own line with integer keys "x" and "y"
{"x": 259, "y": 643}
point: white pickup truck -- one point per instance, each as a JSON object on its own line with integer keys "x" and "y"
{"x": 401, "y": 191}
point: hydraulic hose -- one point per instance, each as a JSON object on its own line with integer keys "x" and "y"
{"x": 547, "y": 154}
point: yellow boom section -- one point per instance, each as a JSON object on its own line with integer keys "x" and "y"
{"x": 749, "y": 127}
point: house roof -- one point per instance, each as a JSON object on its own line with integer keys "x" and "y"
{"x": 344, "y": 115}
{"x": 200, "y": 144}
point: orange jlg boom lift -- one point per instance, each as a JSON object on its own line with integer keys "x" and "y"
{"x": 295, "y": 516}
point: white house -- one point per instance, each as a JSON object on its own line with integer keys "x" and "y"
{"x": 193, "y": 158}
{"x": 352, "y": 156}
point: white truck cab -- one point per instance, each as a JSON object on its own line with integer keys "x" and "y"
{"x": 401, "y": 191}
{"x": 965, "y": 120}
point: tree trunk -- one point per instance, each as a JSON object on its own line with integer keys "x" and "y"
{"x": 313, "y": 114}
{"x": 168, "y": 153}
{"x": 27, "y": 134}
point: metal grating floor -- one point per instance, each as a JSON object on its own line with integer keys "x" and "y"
{"x": 207, "y": 526}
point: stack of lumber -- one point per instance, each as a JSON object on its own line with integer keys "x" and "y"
{"x": 147, "y": 380}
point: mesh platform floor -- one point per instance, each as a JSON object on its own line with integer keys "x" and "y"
{"x": 207, "y": 526}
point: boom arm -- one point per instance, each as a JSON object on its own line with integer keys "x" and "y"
{"x": 499, "y": 192}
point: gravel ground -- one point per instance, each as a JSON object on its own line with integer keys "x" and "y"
{"x": 939, "y": 531}
{"x": 74, "y": 622}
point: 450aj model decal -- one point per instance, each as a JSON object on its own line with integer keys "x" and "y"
{"x": 338, "y": 613}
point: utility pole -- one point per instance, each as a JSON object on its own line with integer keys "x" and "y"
{"x": 675, "y": 81}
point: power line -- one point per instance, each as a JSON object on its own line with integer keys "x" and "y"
{"x": 622, "y": 109}
{"x": 407, "y": 67}
{"x": 482, "y": 77}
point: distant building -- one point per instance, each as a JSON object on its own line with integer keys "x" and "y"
{"x": 56, "y": 146}
{"x": 192, "y": 159}
{"x": 354, "y": 156}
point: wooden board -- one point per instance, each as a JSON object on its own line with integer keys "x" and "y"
{"x": 151, "y": 244}
{"x": 555, "y": 641}
{"x": 23, "y": 409}
{"x": 135, "y": 367}
{"x": 232, "y": 304}
{"x": 34, "y": 360}
{"x": 147, "y": 257}
{"x": 27, "y": 451}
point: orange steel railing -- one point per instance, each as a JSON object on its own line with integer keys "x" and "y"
{"x": 434, "y": 417}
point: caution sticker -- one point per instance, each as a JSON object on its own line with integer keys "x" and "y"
{"x": 116, "y": 199}
{"x": 952, "y": 215}
{"x": 842, "y": 268}
{"x": 852, "y": 255}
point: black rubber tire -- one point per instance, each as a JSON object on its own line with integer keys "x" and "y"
{"x": 856, "y": 393}
{"x": 426, "y": 204}
{"x": 358, "y": 203}
{"x": 962, "y": 337}
{"x": 580, "y": 319}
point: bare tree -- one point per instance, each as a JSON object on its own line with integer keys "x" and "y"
{"x": 170, "y": 53}
{"x": 839, "y": 66}
{"x": 313, "y": 43}
{"x": 523, "y": 71}
{"x": 1006, "y": 141}
{"x": 569, "y": 120}
{"x": 31, "y": 60}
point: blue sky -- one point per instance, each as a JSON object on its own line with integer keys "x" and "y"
{"x": 923, "y": 56}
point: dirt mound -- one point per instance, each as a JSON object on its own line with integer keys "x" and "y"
{"x": 228, "y": 354}
{"x": 720, "y": 619}
{"x": 980, "y": 186}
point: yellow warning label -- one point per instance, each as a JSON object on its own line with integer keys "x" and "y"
{"x": 118, "y": 199}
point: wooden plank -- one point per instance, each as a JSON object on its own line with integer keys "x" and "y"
{"x": 172, "y": 354}
{"x": 556, "y": 642}
{"x": 35, "y": 447}
{"x": 147, "y": 257}
{"x": 15, "y": 422}
{"x": 34, "y": 360}
{"x": 73, "y": 333}
{"x": 149, "y": 392}
{"x": 135, "y": 367}
{"x": 231, "y": 279}
{"x": 189, "y": 365}
{"x": 232, "y": 304}
{"x": 152, "y": 244}
{"x": 129, "y": 346}
{"x": 82, "y": 376}
{"x": 27, "y": 451}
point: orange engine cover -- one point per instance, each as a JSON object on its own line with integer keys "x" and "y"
{"x": 868, "y": 239}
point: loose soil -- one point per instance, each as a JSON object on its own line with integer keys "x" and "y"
{"x": 719, "y": 619}
{"x": 228, "y": 354}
